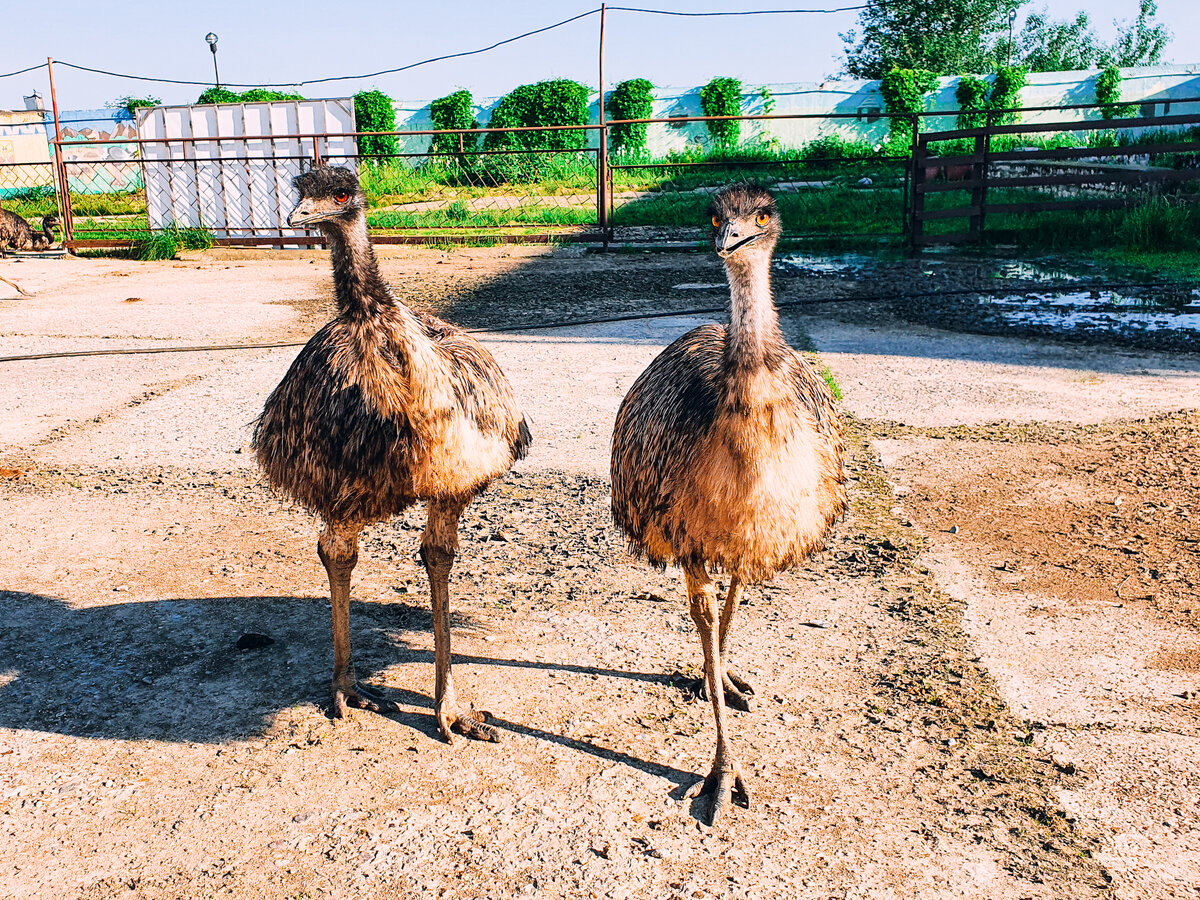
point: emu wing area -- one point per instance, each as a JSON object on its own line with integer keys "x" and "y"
{"x": 660, "y": 425}
{"x": 321, "y": 442}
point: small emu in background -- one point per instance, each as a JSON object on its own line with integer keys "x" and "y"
{"x": 728, "y": 452}
{"x": 16, "y": 234}
{"x": 385, "y": 406}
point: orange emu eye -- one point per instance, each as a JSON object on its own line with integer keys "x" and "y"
{"x": 716, "y": 222}
{"x": 342, "y": 198}
{"x": 762, "y": 219}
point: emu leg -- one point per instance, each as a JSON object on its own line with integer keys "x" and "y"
{"x": 338, "y": 550}
{"x": 724, "y": 783}
{"x": 739, "y": 692}
{"x": 437, "y": 552}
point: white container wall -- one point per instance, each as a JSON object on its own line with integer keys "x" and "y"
{"x": 228, "y": 167}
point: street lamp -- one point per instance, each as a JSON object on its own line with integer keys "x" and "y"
{"x": 1012, "y": 17}
{"x": 212, "y": 45}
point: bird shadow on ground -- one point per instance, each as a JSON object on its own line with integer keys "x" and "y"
{"x": 170, "y": 669}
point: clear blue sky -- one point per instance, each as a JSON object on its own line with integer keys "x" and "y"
{"x": 273, "y": 41}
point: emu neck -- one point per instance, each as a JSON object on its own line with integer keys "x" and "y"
{"x": 753, "y": 336}
{"x": 358, "y": 287}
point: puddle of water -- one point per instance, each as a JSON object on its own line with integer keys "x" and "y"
{"x": 1102, "y": 311}
{"x": 699, "y": 286}
{"x": 1028, "y": 271}
{"x": 842, "y": 266}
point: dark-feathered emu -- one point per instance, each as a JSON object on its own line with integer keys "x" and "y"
{"x": 728, "y": 452}
{"x": 385, "y": 406}
{"x": 16, "y": 233}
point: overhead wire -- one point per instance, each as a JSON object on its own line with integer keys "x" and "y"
{"x": 392, "y": 71}
{"x": 433, "y": 59}
{"x": 23, "y": 71}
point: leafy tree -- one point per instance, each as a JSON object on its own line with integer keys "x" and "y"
{"x": 971, "y": 94}
{"x": 1142, "y": 41}
{"x": 254, "y": 95}
{"x": 949, "y": 37}
{"x": 1045, "y": 45}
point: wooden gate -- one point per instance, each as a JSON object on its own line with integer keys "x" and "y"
{"x": 1090, "y": 169}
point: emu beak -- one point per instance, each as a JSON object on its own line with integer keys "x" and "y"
{"x": 732, "y": 236}
{"x": 306, "y": 213}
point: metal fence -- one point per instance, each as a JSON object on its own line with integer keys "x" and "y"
{"x": 563, "y": 183}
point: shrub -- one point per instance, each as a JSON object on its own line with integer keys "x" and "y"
{"x": 218, "y": 95}
{"x": 632, "y": 99}
{"x": 128, "y": 106}
{"x": 1006, "y": 93}
{"x": 723, "y": 97}
{"x": 253, "y": 95}
{"x": 972, "y": 97}
{"x": 1108, "y": 95}
{"x": 375, "y": 111}
{"x": 556, "y": 102}
{"x": 453, "y": 111}
{"x": 904, "y": 92}
{"x": 262, "y": 95}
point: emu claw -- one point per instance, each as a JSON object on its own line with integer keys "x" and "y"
{"x": 723, "y": 785}
{"x": 739, "y": 693}
{"x": 359, "y": 697}
{"x": 471, "y": 723}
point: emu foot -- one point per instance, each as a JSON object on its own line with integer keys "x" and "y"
{"x": 739, "y": 693}
{"x": 353, "y": 694}
{"x": 723, "y": 785}
{"x": 469, "y": 722}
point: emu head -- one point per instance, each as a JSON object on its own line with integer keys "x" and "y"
{"x": 328, "y": 194}
{"x": 50, "y": 222}
{"x": 745, "y": 220}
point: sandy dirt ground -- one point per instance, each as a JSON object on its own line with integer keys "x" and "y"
{"x": 976, "y": 691}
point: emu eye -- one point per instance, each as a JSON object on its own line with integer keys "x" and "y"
{"x": 716, "y": 222}
{"x": 761, "y": 220}
{"x": 342, "y": 198}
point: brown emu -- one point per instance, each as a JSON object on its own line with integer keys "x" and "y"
{"x": 385, "y": 406}
{"x": 728, "y": 452}
{"x": 16, "y": 233}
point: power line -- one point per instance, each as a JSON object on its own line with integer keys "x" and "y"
{"x": 405, "y": 68}
{"x": 23, "y": 71}
{"x": 746, "y": 12}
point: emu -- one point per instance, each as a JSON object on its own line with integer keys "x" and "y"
{"x": 16, "y": 233}
{"x": 385, "y": 406}
{"x": 728, "y": 453}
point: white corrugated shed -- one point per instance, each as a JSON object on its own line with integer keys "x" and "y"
{"x": 228, "y": 167}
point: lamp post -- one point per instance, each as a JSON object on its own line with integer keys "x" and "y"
{"x": 212, "y": 45}
{"x": 1012, "y": 17}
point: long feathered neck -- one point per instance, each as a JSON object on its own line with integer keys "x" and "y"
{"x": 359, "y": 288}
{"x": 754, "y": 339}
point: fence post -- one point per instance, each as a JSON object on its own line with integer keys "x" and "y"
{"x": 985, "y": 173}
{"x": 60, "y": 167}
{"x": 602, "y": 152}
{"x": 916, "y": 229}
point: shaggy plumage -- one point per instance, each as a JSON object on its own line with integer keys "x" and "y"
{"x": 383, "y": 407}
{"x": 16, "y": 233}
{"x": 728, "y": 453}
